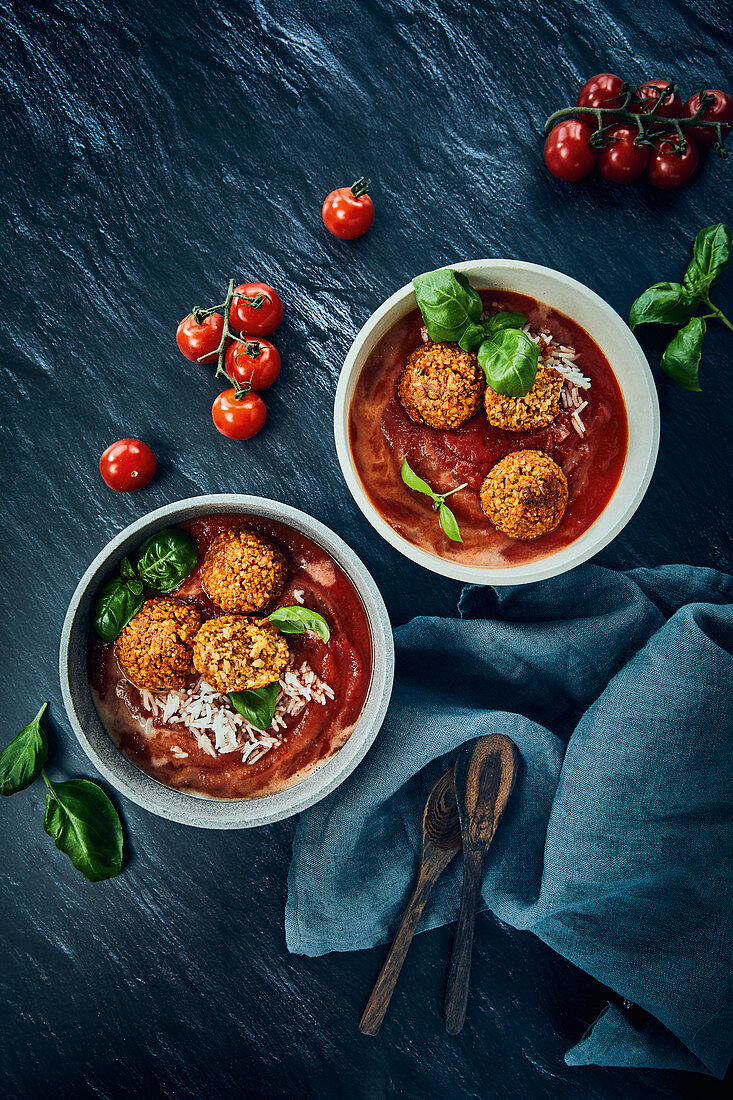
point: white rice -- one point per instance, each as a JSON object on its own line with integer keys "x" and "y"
{"x": 564, "y": 360}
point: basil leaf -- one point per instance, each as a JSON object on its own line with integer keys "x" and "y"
{"x": 681, "y": 357}
{"x": 21, "y": 761}
{"x": 126, "y": 569}
{"x": 448, "y": 523}
{"x": 257, "y": 705}
{"x": 663, "y": 304}
{"x": 296, "y": 620}
{"x": 507, "y": 318}
{"x": 448, "y": 303}
{"x": 166, "y": 559}
{"x": 115, "y": 606}
{"x": 710, "y": 257}
{"x": 412, "y": 481}
{"x": 472, "y": 336}
{"x": 509, "y": 360}
{"x": 85, "y": 826}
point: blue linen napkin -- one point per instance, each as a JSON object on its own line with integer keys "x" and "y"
{"x": 617, "y": 845}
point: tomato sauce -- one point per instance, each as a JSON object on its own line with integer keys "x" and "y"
{"x": 311, "y": 737}
{"x": 381, "y": 435}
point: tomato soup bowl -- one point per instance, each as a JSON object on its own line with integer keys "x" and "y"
{"x": 194, "y": 809}
{"x": 612, "y": 337}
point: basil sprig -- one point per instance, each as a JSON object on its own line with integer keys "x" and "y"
{"x": 257, "y": 705}
{"x": 297, "y": 619}
{"x": 445, "y": 517}
{"x": 118, "y": 601}
{"x": 678, "y": 304}
{"x": 448, "y": 304}
{"x": 166, "y": 559}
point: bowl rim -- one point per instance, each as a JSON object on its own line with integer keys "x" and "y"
{"x": 561, "y": 560}
{"x": 126, "y": 778}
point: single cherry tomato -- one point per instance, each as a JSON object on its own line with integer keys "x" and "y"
{"x": 199, "y": 342}
{"x": 646, "y": 96}
{"x": 667, "y": 169}
{"x": 621, "y": 161}
{"x": 349, "y": 211}
{"x": 568, "y": 153}
{"x": 719, "y": 111}
{"x": 257, "y": 312}
{"x": 602, "y": 90}
{"x": 127, "y": 464}
{"x": 238, "y": 417}
{"x": 254, "y": 363}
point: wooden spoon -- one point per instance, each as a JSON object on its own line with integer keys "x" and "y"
{"x": 484, "y": 777}
{"x": 441, "y": 841}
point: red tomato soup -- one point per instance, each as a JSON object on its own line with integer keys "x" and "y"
{"x": 167, "y": 749}
{"x": 382, "y": 435}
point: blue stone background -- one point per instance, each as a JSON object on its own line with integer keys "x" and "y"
{"x": 150, "y": 150}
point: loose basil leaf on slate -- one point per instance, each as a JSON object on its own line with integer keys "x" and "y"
{"x": 412, "y": 481}
{"x": 663, "y": 304}
{"x": 21, "y": 761}
{"x": 85, "y": 826}
{"x": 681, "y": 357}
{"x": 448, "y": 303}
{"x": 448, "y": 523}
{"x": 509, "y": 360}
{"x": 257, "y": 705}
{"x": 115, "y": 606}
{"x": 166, "y": 559}
{"x": 710, "y": 257}
{"x": 296, "y": 620}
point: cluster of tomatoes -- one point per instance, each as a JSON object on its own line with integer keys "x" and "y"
{"x": 648, "y": 130}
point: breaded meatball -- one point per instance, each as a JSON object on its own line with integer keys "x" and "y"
{"x": 536, "y": 409}
{"x": 525, "y": 495}
{"x": 234, "y": 653}
{"x": 441, "y": 385}
{"x": 243, "y": 571}
{"x": 155, "y": 650}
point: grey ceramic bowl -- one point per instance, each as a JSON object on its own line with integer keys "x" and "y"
{"x": 176, "y": 805}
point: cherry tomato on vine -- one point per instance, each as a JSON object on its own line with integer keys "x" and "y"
{"x": 621, "y": 161}
{"x": 650, "y": 92}
{"x": 602, "y": 90}
{"x": 568, "y": 154}
{"x": 252, "y": 362}
{"x": 238, "y": 418}
{"x": 258, "y": 312}
{"x": 127, "y": 464}
{"x": 349, "y": 211}
{"x": 667, "y": 169}
{"x": 719, "y": 111}
{"x": 199, "y": 342}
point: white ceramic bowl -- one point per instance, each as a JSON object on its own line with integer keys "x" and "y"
{"x": 615, "y": 340}
{"x": 177, "y": 805}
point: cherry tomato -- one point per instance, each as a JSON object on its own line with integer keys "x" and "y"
{"x": 667, "y": 169}
{"x": 602, "y": 90}
{"x": 127, "y": 464}
{"x": 258, "y": 313}
{"x": 719, "y": 111}
{"x": 567, "y": 152}
{"x": 650, "y": 92}
{"x": 621, "y": 161}
{"x": 349, "y": 211}
{"x": 252, "y": 362}
{"x": 199, "y": 342}
{"x": 238, "y": 418}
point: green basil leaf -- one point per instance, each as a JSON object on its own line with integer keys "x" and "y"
{"x": 166, "y": 559}
{"x": 509, "y": 360}
{"x": 21, "y": 761}
{"x": 86, "y": 827}
{"x": 412, "y": 481}
{"x": 448, "y": 303}
{"x": 449, "y": 524}
{"x": 257, "y": 705}
{"x": 115, "y": 606}
{"x": 126, "y": 569}
{"x": 507, "y": 318}
{"x": 472, "y": 336}
{"x": 710, "y": 257}
{"x": 681, "y": 357}
{"x": 297, "y": 619}
{"x": 663, "y": 304}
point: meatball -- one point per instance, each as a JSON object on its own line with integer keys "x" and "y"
{"x": 243, "y": 571}
{"x": 536, "y": 409}
{"x": 234, "y": 653}
{"x": 441, "y": 385}
{"x": 525, "y": 495}
{"x": 155, "y": 650}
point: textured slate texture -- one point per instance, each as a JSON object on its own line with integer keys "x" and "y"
{"x": 149, "y": 151}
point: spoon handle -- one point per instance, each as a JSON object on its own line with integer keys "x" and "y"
{"x": 459, "y": 972}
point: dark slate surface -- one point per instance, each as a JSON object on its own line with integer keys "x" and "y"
{"x": 151, "y": 150}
